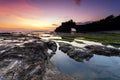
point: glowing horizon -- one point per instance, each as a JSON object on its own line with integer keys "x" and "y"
{"x": 47, "y": 15}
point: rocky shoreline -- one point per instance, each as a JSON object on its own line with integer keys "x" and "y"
{"x": 27, "y": 58}
{"x": 87, "y": 52}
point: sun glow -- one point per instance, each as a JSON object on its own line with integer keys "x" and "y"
{"x": 27, "y": 23}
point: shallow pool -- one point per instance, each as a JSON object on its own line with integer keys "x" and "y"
{"x": 97, "y": 68}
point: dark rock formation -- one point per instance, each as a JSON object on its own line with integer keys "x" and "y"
{"x": 102, "y": 50}
{"x": 28, "y": 58}
{"x": 52, "y": 45}
{"x": 79, "y": 54}
{"x": 76, "y": 53}
{"x": 66, "y": 27}
{"x": 65, "y": 47}
{"x": 110, "y": 23}
{"x": 26, "y": 62}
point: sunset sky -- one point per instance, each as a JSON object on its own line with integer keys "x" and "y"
{"x": 48, "y": 14}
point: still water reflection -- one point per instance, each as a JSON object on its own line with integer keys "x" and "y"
{"x": 97, "y": 68}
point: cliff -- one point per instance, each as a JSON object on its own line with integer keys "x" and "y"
{"x": 110, "y": 23}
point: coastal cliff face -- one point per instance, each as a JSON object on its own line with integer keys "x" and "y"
{"x": 66, "y": 27}
{"x": 110, "y": 23}
{"x": 27, "y": 58}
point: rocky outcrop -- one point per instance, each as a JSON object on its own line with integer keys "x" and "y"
{"x": 110, "y": 23}
{"x": 87, "y": 52}
{"x": 66, "y": 27}
{"x": 28, "y": 58}
{"x": 74, "y": 52}
{"x": 26, "y": 62}
{"x": 103, "y": 50}
{"x": 65, "y": 47}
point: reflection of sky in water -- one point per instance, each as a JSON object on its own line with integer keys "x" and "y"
{"x": 97, "y": 68}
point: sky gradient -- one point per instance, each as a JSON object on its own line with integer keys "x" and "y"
{"x": 48, "y": 14}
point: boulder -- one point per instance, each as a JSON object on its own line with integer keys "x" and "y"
{"x": 65, "y": 47}
{"x": 103, "y": 50}
{"x": 27, "y": 62}
{"x": 52, "y": 45}
{"x": 74, "y": 52}
{"x": 81, "y": 53}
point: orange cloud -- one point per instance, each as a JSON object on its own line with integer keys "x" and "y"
{"x": 19, "y": 16}
{"x": 19, "y": 22}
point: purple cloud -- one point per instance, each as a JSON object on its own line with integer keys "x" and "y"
{"x": 77, "y": 2}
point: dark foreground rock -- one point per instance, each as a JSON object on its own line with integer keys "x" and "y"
{"x": 74, "y": 52}
{"x": 103, "y": 50}
{"x": 87, "y": 52}
{"x": 28, "y": 58}
{"x": 27, "y": 62}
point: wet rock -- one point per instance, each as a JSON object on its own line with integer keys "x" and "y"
{"x": 65, "y": 47}
{"x": 79, "y": 53}
{"x": 74, "y": 52}
{"x": 52, "y": 45}
{"x": 103, "y": 50}
{"x": 27, "y": 58}
{"x": 27, "y": 62}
